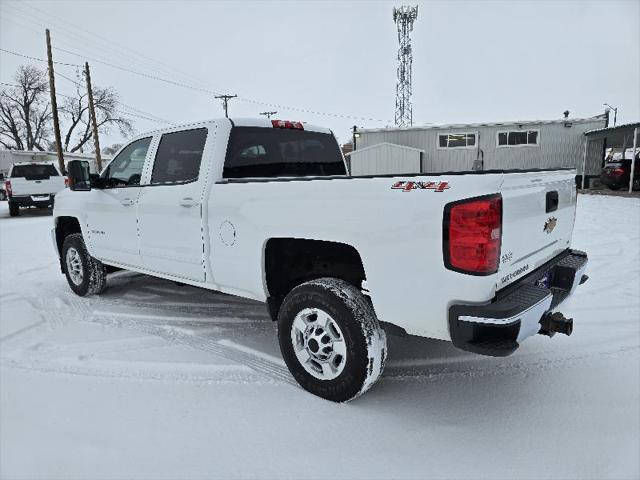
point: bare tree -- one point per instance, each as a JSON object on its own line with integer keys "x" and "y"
{"x": 75, "y": 112}
{"x": 112, "y": 149}
{"x": 25, "y": 112}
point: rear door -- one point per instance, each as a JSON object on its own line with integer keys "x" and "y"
{"x": 170, "y": 208}
{"x": 537, "y": 223}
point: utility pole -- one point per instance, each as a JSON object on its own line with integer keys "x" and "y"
{"x": 92, "y": 112}
{"x": 54, "y": 105}
{"x": 355, "y": 136}
{"x": 225, "y": 102}
{"x": 267, "y": 114}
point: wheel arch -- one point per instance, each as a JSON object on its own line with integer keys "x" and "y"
{"x": 65, "y": 226}
{"x": 289, "y": 261}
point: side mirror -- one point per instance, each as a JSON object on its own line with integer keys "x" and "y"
{"x": 78, "y": 173}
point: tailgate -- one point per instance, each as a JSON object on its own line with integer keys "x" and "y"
{"x": 537, "y": 220}
{"x": 24, "y": 187}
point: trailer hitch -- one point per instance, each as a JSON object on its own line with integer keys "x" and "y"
{"x": 555, "y": 322}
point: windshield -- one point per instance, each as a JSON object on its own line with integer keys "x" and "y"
{"x": 278, "y": 152}
{"x": 34, "y": 172}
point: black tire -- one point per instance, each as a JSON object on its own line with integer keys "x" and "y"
{"x": 94, "y": 274}
{"x": 14, "y": 209}
{"x": 365, "y": 340}
{"x": 615, "y": 187}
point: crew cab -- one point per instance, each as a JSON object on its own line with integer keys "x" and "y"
{"x": 32, "y": 184}
{"x": 265, "y": 209}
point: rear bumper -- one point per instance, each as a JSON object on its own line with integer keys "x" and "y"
{"x": 43, "y": 200}
{"x": 515, "y": 313}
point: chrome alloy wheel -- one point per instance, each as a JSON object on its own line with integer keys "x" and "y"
{"x": 74, "y": 266}
{"x": 318, "y": 343}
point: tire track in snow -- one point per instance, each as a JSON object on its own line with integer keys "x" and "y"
{"x": 218, "y": 347}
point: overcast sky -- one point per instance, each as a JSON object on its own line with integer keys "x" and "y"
{"x": 474, "y": 61}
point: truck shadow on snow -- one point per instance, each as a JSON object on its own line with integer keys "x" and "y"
{"x": 210, "y": 317}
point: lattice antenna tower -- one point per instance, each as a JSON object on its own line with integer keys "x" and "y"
{"x": 404, "y": 18}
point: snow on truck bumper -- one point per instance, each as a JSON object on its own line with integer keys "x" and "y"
{"x": 520, "y": 310}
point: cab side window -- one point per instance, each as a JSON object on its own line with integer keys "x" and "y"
{"x": 179, "y": 156}
{"x": 126, "y": 169}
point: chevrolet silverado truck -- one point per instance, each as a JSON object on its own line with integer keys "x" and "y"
{"x": 32, "y": 184}
{"x": 265, "y": 209}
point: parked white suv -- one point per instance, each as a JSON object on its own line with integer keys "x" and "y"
{"x": 32, "y": 184}
{"x": 266, "y": 210}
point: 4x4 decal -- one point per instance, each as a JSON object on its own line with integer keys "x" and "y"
{"x": 439, "y": 186}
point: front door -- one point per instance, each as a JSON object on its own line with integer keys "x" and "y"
{"x": 111, "y": 215}
{"x": 170, "y": 208}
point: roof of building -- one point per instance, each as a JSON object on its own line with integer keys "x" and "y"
{"x": 617, "y": 137}
{"x": 378, "y": 145}
{"x": 451, "y": 126}
{"x": 617, "y": 128}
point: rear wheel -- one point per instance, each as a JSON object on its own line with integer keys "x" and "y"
{"x": 85, "y": 274}
{"x": 331, "y": 339}
{"x": 14, "y": 209}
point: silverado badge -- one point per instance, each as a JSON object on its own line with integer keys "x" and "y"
{"x": 550, "y": 224}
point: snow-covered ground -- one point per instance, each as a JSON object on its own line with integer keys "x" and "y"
{"x": 154, "y": 380}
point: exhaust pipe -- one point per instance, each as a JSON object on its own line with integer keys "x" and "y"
{"x": 555, "y": 322}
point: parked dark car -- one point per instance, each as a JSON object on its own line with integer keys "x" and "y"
{"x": 616, "y": 174}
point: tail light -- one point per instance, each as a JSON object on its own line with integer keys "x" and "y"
{"x": 287, "y": 124}
{"x": 7, "y": 188}
{"x": 66, "y": 182}
{"x": 472, "y": 235}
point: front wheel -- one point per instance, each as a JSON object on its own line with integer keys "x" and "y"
{"x": 85, "y": 274}
{"x": 331, "y": 339}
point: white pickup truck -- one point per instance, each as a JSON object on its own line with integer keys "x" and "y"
{"x": 266, "y": 210}
{"x": 32, "y": 184}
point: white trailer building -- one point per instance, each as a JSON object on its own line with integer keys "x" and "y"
{"x": 479, "y": 146}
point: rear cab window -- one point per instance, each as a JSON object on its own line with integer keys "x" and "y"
{"x": 262, "y": 152}
{"x": 34, "y": 172}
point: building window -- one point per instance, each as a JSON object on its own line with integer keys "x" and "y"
{"x": 518, "y": 138}
{"x": 457, "y": 140}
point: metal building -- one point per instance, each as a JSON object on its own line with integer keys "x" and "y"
{"x": 479, "y": 146}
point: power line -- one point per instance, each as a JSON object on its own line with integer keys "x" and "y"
{"x": 173, "y": 82}
{"x": 35, "y": 58}
{"x": 146, "y": 115}
{"x": 153, "y": 77}
{"x": 104, "y": 42}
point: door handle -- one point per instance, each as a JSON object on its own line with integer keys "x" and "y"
{"x": 551, "y": 201}
{"x": 126, "y": 202}
{"x": 188, "y": 202}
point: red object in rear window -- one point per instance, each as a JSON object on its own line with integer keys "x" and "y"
{"x": 287, "y": 124}
{"x": 617, "y": 171}
{"x": 472, "y": 235}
